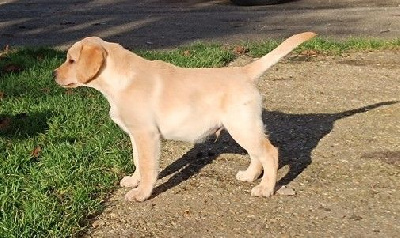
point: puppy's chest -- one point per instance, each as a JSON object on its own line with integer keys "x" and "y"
{"x": 115, "y": 116}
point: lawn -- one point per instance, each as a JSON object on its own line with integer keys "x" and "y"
{"x": 60, "y": 153}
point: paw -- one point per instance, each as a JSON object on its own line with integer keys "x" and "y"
{"x": 129, "y": 181}
{"x": 262, "y": 191}
{"x": 138, "y": 195}
{"x": 246, "y": 176}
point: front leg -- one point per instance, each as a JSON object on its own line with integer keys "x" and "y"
{"x": 127, "y": 181}
{"x": 148, "y": 149}
{"x": 132, "y": 181}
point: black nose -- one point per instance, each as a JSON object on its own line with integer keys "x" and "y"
{"x": 54, "y": 74}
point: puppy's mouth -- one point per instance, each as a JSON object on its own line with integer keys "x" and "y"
{"x": 64, "y": 83}
{"x": 70, "y": 85}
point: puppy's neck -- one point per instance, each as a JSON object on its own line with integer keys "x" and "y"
{"x": 114, "y": 78}
{"x": 110, "y": 86}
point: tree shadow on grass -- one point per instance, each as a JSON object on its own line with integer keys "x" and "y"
{"x": 24, "y": 125}
{"x": 296, "y": 135}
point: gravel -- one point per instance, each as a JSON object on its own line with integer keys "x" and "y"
{"x": 335, "y": 120}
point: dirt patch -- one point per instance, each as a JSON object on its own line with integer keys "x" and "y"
{"x": 336, "y": 125}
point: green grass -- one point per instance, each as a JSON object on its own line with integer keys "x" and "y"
{"x": 326, "y": 47}
{"x": 196, "y": 55}
{"x": 60, "y": 153}
{"x": 51, "y": 194}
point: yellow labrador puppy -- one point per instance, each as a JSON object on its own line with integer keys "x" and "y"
{"x": 150, "y": 99}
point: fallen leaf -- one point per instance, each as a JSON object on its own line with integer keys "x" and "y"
{"x": 40, "y": 57}
{"x": 12, "y": 68}
{"x": 240, "y": 50}
{"x": 36, "y": 152}
{"x": 45, "y": 90}
{"x": 2, "y": 95}
{"x": 5, "y": 50}
{"x": 186, "y": 53}
{"x": 309, "y": 53}
{"x": 5, "y": 123}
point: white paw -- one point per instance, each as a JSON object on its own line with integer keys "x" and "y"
{"x": 262, "y": 191}
{"x": 130, "y": 181}
{"x": 138, "y": 195}
{"x": 245, "y": 176}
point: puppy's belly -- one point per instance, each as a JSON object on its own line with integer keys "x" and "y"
{"x": 190, "y": 129}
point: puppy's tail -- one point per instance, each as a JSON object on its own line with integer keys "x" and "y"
{"x": 258, "y": 67}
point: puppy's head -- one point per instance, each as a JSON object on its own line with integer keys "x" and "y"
{"x": 85, "y": 60}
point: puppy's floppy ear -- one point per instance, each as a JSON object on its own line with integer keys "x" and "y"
{"x": 91, "y": 59}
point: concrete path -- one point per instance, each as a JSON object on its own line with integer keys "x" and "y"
{"x": 167, "y": 24}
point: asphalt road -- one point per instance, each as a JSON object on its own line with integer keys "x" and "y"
{"x": 167, "y": 24}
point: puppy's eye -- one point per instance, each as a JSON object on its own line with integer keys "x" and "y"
{"x": 71, "y": 61}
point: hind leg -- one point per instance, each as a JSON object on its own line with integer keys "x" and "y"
{"x": 252, "y": 172}
{"x": 270, "y": 165}
{"x": 249, "y": 133}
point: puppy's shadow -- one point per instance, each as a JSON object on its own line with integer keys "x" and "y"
{"x": 195, "y": 159}
{"x": 296, "y": 135}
